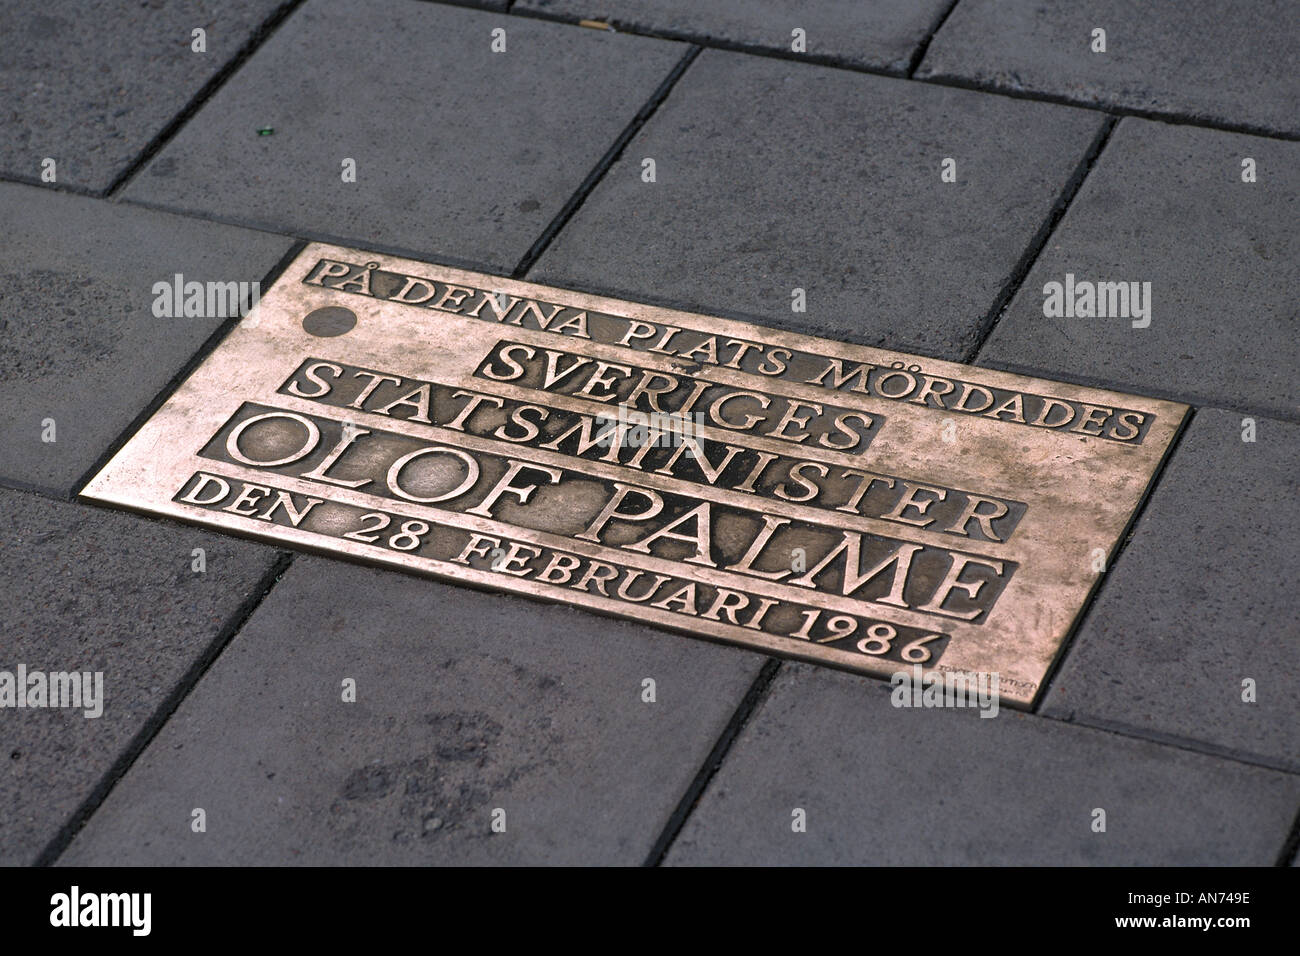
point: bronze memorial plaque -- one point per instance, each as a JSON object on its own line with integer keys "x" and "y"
{"x": 859, "y": 508}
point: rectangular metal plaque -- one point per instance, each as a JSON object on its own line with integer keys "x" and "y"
{"x": 864, "y": 509}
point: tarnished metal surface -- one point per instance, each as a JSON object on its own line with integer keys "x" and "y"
{"x": 865, "y": 509}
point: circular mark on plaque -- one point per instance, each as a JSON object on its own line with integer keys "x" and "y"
{"x": 330, "y": 321}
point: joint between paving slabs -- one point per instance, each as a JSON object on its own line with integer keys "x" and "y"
{"x": 1110, "y": 109}
{"x": 1291, "y": 848}
{"x": 1040, "y": 240}
{"x": 1174, "y": 742}
{"x": 1291, "y": 841}
{"x": 196, "y": 102}
{"x": 705, "y": 41}
{"x": 140, "y": 742}
{"x": 708, "y": 42}
{"x": 746, "y": 709}
{"x": 604, "y": 164}
{"x": 921, "y": 48}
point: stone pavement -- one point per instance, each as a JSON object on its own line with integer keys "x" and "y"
{"x": 792, "y": 149}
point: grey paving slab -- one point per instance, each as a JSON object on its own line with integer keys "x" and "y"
{"x": 80, "y": 343}
{"x": 879, "y": 34}
{"x": 88, "y": 590}
{"x": 466, "y": 702}
{"x": 1218, "y": 61}
{"x": 772, "y": 176}
{"x": 1167, "y": 205}
{"x": 461, "y": 153}
{"x": 882, "y": 785}
{"x": 90, "y": 83}
{"x": 1202, "y": 599}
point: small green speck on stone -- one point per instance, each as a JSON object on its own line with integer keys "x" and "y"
{"x": 265, "y": 131}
